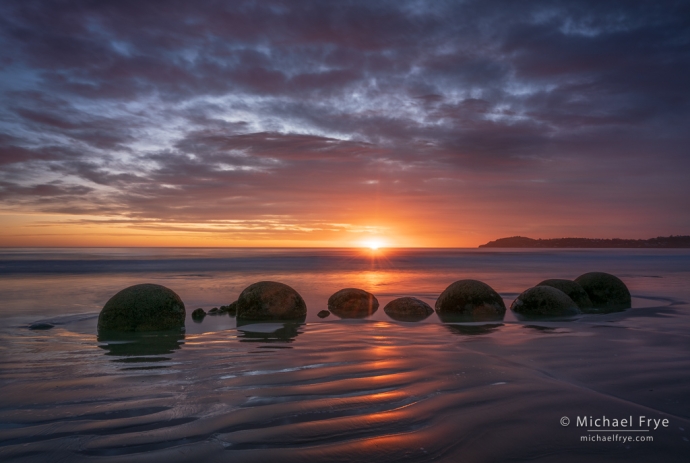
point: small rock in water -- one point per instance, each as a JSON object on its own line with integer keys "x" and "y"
{"x": 605, "y": 290}
{"x": 198, "y": 314}
{"x": 353, "y": 303}
{"x": 544, "y": 301}
{"x": 323, "y": 314}
{"x": 270, "y": 300}
{"x": 214, "y": 311}
{"x": 231, "y": 309}
{"x": 145, "y": 307}
{"x": 572, "y": 289}
{"x": 408, "y": 309}
{"x": 473, "y": 299}
{"x": 41, "y": 326}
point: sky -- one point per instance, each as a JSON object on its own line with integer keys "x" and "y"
{"x": 342, "y": 123}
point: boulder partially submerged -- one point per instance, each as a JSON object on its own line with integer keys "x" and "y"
{"x": 353, "y": 303}
{"x": 198, "y": 314}
{"x": 572, "y": 289}
{"x": 408, "y": 309}
{"x": 544, "y": 301}
{"x": 323, "y": 314}
{"x": 270, "y": 300}
{"x": 145, "y": 307}
{"x": 230, "y": 309}
{"x": 470, "y": 300}
{"x": 605, "y": 290}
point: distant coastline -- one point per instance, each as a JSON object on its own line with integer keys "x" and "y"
{"x": 524, "y": 242}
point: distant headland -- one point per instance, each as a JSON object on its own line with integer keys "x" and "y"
{"x": 524, "y": 242}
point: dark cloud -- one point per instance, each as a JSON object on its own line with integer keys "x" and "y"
{"x": 196, "y": 111}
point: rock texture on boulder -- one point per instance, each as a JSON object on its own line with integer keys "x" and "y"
{"x": 544, "y": 301}
{"x": 353, "y": 303}
{"x": 605, "y": 290}
{"x": 408, "y": 309}
{"x": 572, "y": 289}
{"x": 146, "y": 307}
{"x": 323, "y": 314}
{"x": 270, "y": 300}
{"x": 470, "y": 299}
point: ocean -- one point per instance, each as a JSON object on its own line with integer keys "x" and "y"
{"x": 329, "y": 389}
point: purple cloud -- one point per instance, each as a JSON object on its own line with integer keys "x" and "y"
{"x": 152, "y": 112}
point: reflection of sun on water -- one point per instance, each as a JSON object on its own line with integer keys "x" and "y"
{"x": 373, "y": 279}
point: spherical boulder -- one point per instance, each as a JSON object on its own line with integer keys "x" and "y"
{"x": 353, "y": 303}
{"x": 270, "y": 300}
{"x": 408, "y": 309}
{"x": 145, "y": 307}
{"x": 605, "y": 290}
{"x": 323, "y": 314}
{"x": 544, "y": 301}
{"x": 198, "y": 314}
{"x": 472, "y": 300}
{"x": 572, "y": 289}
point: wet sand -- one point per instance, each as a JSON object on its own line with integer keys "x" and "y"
{"x": 350, "y": 390}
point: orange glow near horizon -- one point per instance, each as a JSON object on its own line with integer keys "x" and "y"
{"x": 374, "y": 231}
{"x": 56, "y": 230}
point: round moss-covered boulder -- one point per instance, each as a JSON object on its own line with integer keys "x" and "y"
{"x": 146, "y": 307}
{"x": 353, "y": 303}
{"x": 572, "y": 289}
{"x": 408, "y": 309}
{"x": 270, "y": 300}
{"x": 605, "y": 290}
{"x": 470, "y": 300}
{"x": 544, "y": 301}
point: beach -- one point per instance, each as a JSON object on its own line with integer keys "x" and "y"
{"x": 341, "y": 390}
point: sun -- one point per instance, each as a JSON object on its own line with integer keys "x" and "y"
{"x": 373, "y": 244}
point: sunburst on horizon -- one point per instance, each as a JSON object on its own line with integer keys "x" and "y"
{"x": 374, "y": 244}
